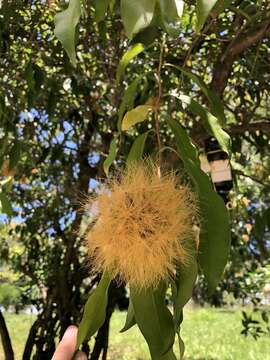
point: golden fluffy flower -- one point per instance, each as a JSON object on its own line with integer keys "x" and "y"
{"x": 143, "y": 226}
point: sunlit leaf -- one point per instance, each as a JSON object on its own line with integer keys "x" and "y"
{"x": 65, "y": 26}
{"x": 137, "y": 15}
{"x": 215, "y": 226}
{"x": 111, "y": 157}
{"x": 127, "y": 57}
{"x": 179, "y": 7}
{"x": 135, "y": 116}
{"x": 94, "y": 311}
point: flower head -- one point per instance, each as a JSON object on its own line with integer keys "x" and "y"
{"x": 143, "y": 226}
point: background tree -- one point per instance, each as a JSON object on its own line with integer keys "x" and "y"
{"x": 57, "y": 124}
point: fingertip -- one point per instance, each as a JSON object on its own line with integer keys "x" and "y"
{"x": 67, "y": 345}
{"x": 70, "y": 332}
{"x": 80, "y": 356}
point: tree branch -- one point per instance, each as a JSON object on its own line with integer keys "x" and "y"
{"x": 199, "y": 134}
{"x": 8, "y": 351}
{"x": 263, "y": 126}
{"x": 230, "y": 52}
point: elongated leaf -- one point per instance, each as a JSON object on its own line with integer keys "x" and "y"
{"x": 210, "y": 122}
{"x": 127, "y": 102}
{"x": 94, "y": 311}
{"x": 181, "y": 345}
{"x": 154, "y": 320}
{"x": 137, "y": 148}
{"x": 266, "y": 216}
{"x": 101, "y": 7}
{"x": 111, "y": 157}
{"x": 135, "y": 116}
{"x": 127, "y": 57}
{"x": 130, "y": 319}
{"x": 137, "y": 15}
{"x": 203, "y": 9}
{"x": 6, "y": 207}
{"x": 15, "y": 154}
{"x": 221, "y": 5}
{"x": 185, "y": 280}
{"x": 215, "y": 228}
{"x": 148, "y": 35}
{"x": 171, "y": 11}
{"x": 5, "y": 182}
{"x": 215, "y": 102}
{"x": 179, "y": 4}
{"x": 65, "y": 26}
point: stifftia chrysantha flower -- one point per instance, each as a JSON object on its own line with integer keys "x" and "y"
{"x": 143, "y": 226}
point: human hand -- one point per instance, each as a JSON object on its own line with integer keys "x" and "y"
{"x": 66, "y": 348}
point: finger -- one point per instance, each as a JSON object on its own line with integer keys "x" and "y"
{"x": 80, "y": 356}
{"x": 67, "y": 345}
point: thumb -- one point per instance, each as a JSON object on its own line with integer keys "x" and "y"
{"x": 67, "y": 345}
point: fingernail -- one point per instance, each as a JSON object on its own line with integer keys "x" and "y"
{"x": 80, "y": 356}
{"x": 70, "y": 332}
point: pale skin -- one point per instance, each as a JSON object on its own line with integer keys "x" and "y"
{"x": 66, "y": 348}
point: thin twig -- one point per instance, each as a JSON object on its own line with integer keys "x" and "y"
{"x": 157, "y": 102}
{"x": 253, "y": 178}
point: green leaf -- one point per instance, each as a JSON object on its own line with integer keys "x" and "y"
{"x": 171, "y": 12}
{"x": 154, "y": 320}
{"x": 266, "y": 216}
{"x": 127, "y": 57}
{"x": 137, "y": 148}
{"x": 147, "y": 36}
{"x": 134, "y": 116}
{"x": 215, "y": 226}
{"x": 203, "y": 9}
{"x": 94, "y": 311}
{"x": 111, "y": 157}
{"x": 215, "y": 102}
{"x": 210, "y": 122}
{"x": 127, "y": 102}
{"x": 5, "y": 182}
{"x": 181, "y": 345}
{"x": 6, "y": 207}
{"x": 137, "y": 15}
{"x": 65, "y": 26}
{"x": 14, "y": 155}
{"x": 130, "y": 319}
{"x": 101, "y": 7}
{"x": 259, "y": 226}
{"x": 179, "y": 4}
{"x": 186, "y": 276}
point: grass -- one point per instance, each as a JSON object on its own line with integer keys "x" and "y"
{"x": 209, "y": 334}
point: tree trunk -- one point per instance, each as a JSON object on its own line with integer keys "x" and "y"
{"x": 30, "y": 341}
{"x": 8, "y": 351}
